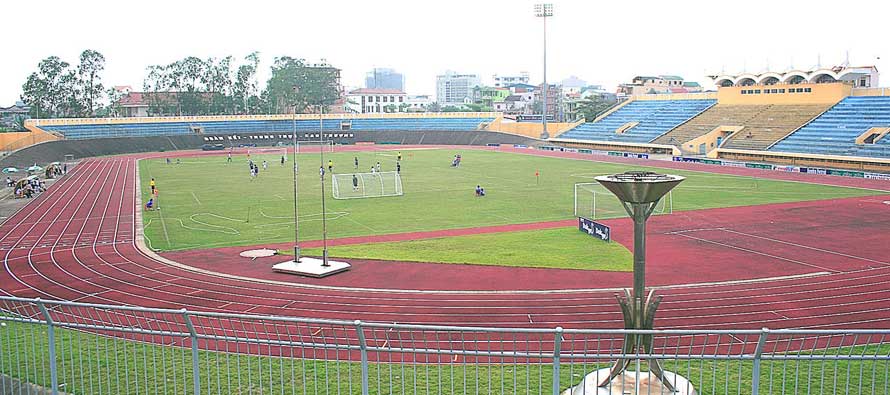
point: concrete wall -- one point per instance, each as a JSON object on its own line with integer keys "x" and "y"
{"x": 819, "y": 94}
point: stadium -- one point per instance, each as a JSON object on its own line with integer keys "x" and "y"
{"x": 208, "y": 235}
{"x": 791, "y": 196}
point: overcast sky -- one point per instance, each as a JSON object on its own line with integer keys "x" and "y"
{"x": 602, "y": 42}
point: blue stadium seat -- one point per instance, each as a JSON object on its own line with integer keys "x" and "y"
{"x": 76, "y": 132}
{"x": 835, "y": 131}
{"x": 655, "y": 118}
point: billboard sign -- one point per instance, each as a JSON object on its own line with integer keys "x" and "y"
{"x": 594, "y": 229}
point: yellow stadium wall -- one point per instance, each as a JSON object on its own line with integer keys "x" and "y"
{"x": 17, "y": 140}
{"x": 530, "y": 129}
{"x": 678, "y": 96}
{"x": 820, "y": 94}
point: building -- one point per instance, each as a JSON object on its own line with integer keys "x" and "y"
{"x": 858, "y": 77}
{"x": 375, "y": 101}
{"x": 515, "y": 104}
{"x": 502, "y": 81}
{"x": 12, "y": 115}
{"x": 572, "y": 85}
{"x": 419, "y": 103}
{"x": 554, "y": 102}
{"x": 647, "y": 85}
{"x": 487, "y": 95}
{"x": 384, "y": 78}
{"x": 455, "y": 89}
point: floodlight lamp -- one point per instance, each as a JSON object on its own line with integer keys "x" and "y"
{"x": 543, "y": 9}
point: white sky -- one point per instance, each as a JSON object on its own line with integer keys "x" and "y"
{"x": 603, "y": 42}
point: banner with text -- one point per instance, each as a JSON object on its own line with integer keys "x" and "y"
{"x": 594, "y": 229}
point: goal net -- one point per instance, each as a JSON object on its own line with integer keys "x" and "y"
{"x": 315, "y": 146}
{"x": 369, "y": 185}
{"x": 592, "y": 200}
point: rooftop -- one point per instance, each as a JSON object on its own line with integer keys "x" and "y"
{"x": 376, "y": 91}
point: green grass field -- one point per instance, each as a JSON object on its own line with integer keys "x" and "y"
{"x": 90, "y": 363}
{"x": 208, "y": 203}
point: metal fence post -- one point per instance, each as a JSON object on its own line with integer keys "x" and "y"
{"x": 557, "y": 346}
{"x": 363, "y": 347}
{"x": 196, "y": 375}
{"x": 50, "y": 330}
{"x": 755, "y": 370}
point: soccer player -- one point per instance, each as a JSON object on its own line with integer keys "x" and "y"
{"x": 265, "y": 165}
{"x": 354, "y": 183}
{"x": 150, "y": 205}
{"x": 378, "y": 167}
{"x": 399, "y": 167}
{"x": 282, "y": 160}
{"x": 400, "y": 156}
{"x": 355, "y": 160}
{"x": 152, "y": 185}
{"x": 330, "y": 166}
{"x": 321, "y": 171}
{"x": 229, "y": 157}
{"x": 177, "y": 161}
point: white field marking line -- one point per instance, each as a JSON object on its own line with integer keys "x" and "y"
{"x": 41, "y": 201}
{"x": 783, "y": 302}
{"x": 759, "y": 253}
{"x": 679, "y": 232}
{"x": 808, "y": 247}
{"x": 219, "y": 216}
{"x": 712, "y": 174}
{"x": 196, "y": 198}
{"x": 832, "y": 281}
{"x": 331, "y": 215}
{"x": 361, "y": 224}
{"x": 94, "y": 187}
{"x": 219, "y": 228}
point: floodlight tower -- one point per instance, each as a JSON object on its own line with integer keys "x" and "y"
{"x": 543, "y": 11}
{"x": 295, "y": 169}
{"x": 639, "y": 193}
{"x": 324, "y": 219}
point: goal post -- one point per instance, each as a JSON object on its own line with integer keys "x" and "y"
{"x": 315, "y": 146}
{"x": 370, "y": 185}
{"x": 592, "y": 200}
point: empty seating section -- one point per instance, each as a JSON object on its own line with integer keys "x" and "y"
{"x": 773, "y": 123}
{"x": 835, "y": 132}
{"x": 655, "y": 117}
{"x": 88, "y": 131}
{"x": 719, "y": 115}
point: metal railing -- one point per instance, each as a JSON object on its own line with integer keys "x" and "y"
{"x": 69, "y": 347}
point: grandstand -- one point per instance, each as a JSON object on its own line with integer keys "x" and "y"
{"x": 772, "y": 123}
{"x": 639, "y": 121}
{"x": 838, "y": 131}
{"x": 143, "y": 127}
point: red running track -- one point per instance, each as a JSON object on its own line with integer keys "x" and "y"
{"x": 76, "y": 242}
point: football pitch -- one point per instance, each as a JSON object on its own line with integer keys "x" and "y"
{"x": 206, "y": 202}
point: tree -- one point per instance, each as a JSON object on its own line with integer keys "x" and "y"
{"x": 452, "y": 109}
{"x": 390, "y": 108}
{"x": 403, "y": 107}
{"x": 50, "y": 90}
{"x": 592, "y": 107}
{"x": 434, "y": 107}
{"x": 295, "y": 85}
{"x": 89, "y": 83}
{"x": 245, "y": 86}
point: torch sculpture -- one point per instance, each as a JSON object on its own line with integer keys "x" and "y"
{"x": 639, "y": 193}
